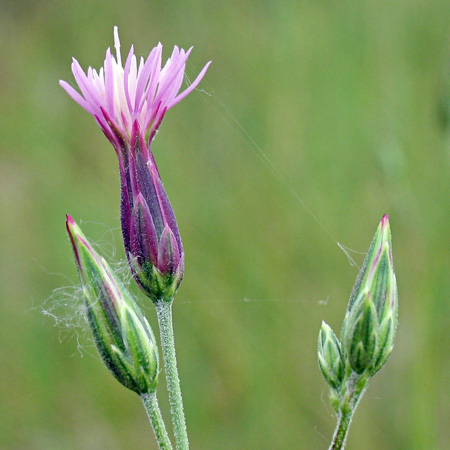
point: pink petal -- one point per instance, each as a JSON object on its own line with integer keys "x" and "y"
{"x": 190, "y": 88}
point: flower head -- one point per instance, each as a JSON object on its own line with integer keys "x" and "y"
{"x": 129, "y": 103}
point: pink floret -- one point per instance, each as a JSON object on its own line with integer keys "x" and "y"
{"x": 118, "y": 96}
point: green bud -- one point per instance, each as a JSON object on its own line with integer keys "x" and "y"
{"x": 330, "y": 357}
{"x": 122, "y": 335}
{"x": 370, "y": 322}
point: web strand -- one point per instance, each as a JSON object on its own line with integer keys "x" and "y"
{"x": 233, "y": 123}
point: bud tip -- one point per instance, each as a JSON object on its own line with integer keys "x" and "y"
{"x": 70, "y": 224}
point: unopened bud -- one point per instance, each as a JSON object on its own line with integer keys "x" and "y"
{"x": 330, "y": 357}
{"x": 122, "y": 335}
{"x": 370, "y": 322}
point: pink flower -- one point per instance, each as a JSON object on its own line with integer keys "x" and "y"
{"x": 129, "y": 104}
{"x": 120, "y": 96}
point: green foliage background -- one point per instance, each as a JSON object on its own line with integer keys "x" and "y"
{"x": 349, "y": 100}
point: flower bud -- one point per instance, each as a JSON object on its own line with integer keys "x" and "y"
{"x": 370, "y": 322}
{"x": 122, "y": 335}
{"x": 330, "y": 357}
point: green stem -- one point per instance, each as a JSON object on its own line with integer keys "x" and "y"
{"x": 154, "y": 414}
{"x": 356, "y": 386}
{"x": 164, "y": 312}
{"x": 341, "y": 432}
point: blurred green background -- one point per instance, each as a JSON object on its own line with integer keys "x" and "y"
{"x": 349, "y": 100}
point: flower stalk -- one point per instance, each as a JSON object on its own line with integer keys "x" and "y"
{"x": 355, "y": 388}
{"x": 153, "y": 411}
{"x": 341, "y": 432}
{"x": 165, "y": 322}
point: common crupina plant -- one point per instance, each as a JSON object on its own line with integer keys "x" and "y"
{"x": 128, "y": 103}
{"x": 367, "y": 334}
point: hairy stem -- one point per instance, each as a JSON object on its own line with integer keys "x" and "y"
{"x": 355, "y": 388}
{"x": 164, "y": 312}
{"x": 154, "y": 414}
{"x": 341, "y": 432}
